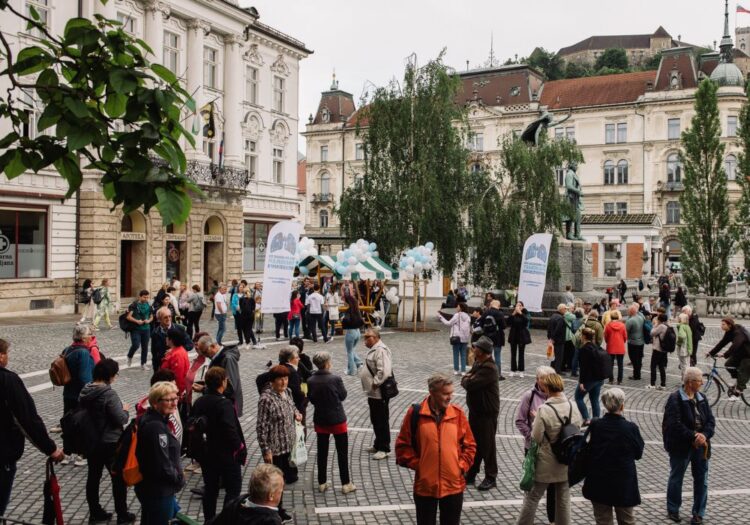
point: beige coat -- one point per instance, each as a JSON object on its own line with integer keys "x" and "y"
{"x": 378, "y": 368}
{"x": 548, "y": 470}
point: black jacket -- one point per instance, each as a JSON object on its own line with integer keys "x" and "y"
{"x": 228, "y": 358}
{"x": 326, "y": 392}
{"x": 305, "y": 367}
{"x": 158, "y": 453}
{"x": 740, "y": 343}
{"x": 679, "y": 298}
{"x": 678, "y": 425}
{"x": 247, "y": 308}
{"x": 482, "y": 385}
{"x": 238, "y": 512}
{"x": 224, "y": 438}
{"x": 295, "y": 387}
{"x": 19, "y": 418}
{"x": 519, "y": 328}
{"x": 498, "y": 338}
{"x": 590, "y": 367}
{"x": 615, "y": 445}
{"x": 695, "y": 323}
{"x": 556, "y": 328}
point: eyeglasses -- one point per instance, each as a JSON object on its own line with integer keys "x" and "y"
{"x": 169, "y": 399}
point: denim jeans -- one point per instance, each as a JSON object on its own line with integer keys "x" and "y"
{"x": 332, "y": 323}
{"x": 699, "y": 469}
{"x": 459, "y": 356}
{"x": 139, "y": 338}
{"x": 593, "y": 389}
{"x": 294, "y": 327}
{"x": 497, "y": 352}
{"x": 157, "y": 510}
{"x": 351, "y": 338}
{"x": 574, "y": 366}
{"x": 7, "y": 473}
{"x": 222, "y": 320}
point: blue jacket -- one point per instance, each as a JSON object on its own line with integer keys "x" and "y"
{"x": 81, "y": 366}
{"x": 615, "y": 445}
{"x": 234, "y": 303}
{"x": 678, "y": 425}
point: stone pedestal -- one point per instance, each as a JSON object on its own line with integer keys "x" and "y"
{"x": 574, "y": 259}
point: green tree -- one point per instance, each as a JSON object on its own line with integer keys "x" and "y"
{"x": 708, "y": 238}
{"x": 612, "y": 58}
{"x": 547, "y": 62}
{"x": 112, "y": 111}
{"x": 514, "y": 198}
{"x": 415, "y": 182}
{"x": 742, "y": 217}
{"x": 575, "y": 70}
{"x": 652, "y": 63}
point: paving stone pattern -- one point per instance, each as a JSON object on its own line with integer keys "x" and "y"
{"x": 384, "y": 490}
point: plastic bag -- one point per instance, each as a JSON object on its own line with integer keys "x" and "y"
{"x": 550, "y": 351}
{"x": 298, "y": 457}
{"x": 529, "y": 468}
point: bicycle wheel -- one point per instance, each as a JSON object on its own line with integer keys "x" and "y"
{"x": 746, "y": 399}
{"x": 712, "y": 389}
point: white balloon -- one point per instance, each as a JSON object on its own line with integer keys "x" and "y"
{"x": 340, "y": 255}
{"x": 410, "y": 261}
{"x": 352, "y": 260}
{"x": 418, "y": 267}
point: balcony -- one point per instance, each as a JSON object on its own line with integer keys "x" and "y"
{"x": 674, "y": 186}
{"x": 322, "y": 198}
{"x": 214, "y": 177}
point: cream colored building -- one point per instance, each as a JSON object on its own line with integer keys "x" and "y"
{"x": 638, "y": 48}
{"x": 225, "y": 55}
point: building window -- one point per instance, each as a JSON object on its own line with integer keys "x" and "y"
{"x": 730, "y": 167}
{"x": 476, "y": 142}
{"x": 570, "y": 133}
{"x": 323, "y": 218}
{"x": 359, "y": 151}
{"x": 358, "y": 179}
{"x": 476, "y": 167}
{"x": 559, "y": 133}
{"x": 23, "y": 244}
{"x": 560, "y": 176}
{"x": 324, "y": 154}
{"x": 42, "y": 7}
{"x": 251, "y": 157}
{"x": 278, "y": 94}
{"x": 278, "y": 165}
{"x": 731, "y": 126}
{"x": 609, "y": 133}
{"x": 210, "y": 67}
{"x": 622, "y": 208}
{"x": 254, "y": 245}
{"x": 673, "y": 212}
{"x": 251, "y": 87}
{"x": 515, "y": 91}
{"x": 673, "y": 129}
{"x": 622, "y": 172}
{"x": 325, "y": 184}
{"x": 622, "y": 132}
{"x": 615, "y": 133}
{"x": 609, "y": 172}
{"x": 674, "y": 168}
{"x": 611, "y": 259}
{"x": 171, "y": 52}
{"x": 609, "y": 208}
{"x": 29, "y": 128}
{"x": 127, "y": 21}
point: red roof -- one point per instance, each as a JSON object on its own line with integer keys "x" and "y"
{"x": 681, "y": 60}
{"x": 596, "y": 91}
{"x": 339, "y": 104}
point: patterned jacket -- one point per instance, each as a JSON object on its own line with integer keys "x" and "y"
{"x": 275, "y": 427}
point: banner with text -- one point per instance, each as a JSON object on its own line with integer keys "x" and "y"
{"x": 534, "y": 271}
{"x": 279, "y": 267}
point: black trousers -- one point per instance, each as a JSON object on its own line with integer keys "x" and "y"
{"x": 193, "y": 322}
{"x": 659, "y": 360}
{"x": 291, "y": 473}
{"x": 380, "y": 419}
{"x": 568, "y": 352}
{"x": 342, "y": 452}
{"x": 238, "y": 327}
{"x": 246, "y": 326}
{"x": 557, "y": 364}
{"x": 450, "y": 509}
{"x": 305, "y": 322}
{"x": 635, "y": 353}
{"x": 316, "y": 321}
{"x": 484, "y": 428}
{"x": 103, "y": 456}
{"x": 281, "y": 321}
{"x": 616, "y": 359}
{"x": 516, "y": 357}
{"x": 216, "y": 474}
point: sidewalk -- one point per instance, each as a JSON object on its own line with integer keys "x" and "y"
{"x": 25, "y": 320}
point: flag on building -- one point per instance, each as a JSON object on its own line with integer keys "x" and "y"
{"x": 741, "y": 9}
{"x": 221, "y": 152}
{"x": 207, "y": 114}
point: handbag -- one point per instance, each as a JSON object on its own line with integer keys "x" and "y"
{"x": 298, "y": 457}
{"x": 579, "y": 467}
{"x": 529, "y": 467}
{"x": 550, "y": 351}
{"x": 454, "y": 339}
{"x": 389, "y": 387}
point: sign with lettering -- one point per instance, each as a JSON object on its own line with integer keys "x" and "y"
{"x": 175, "y": 237}
{"x": 280, "y": 262}
{"x": 132, "y": 236}
{"x": 534, "y": 271}
{"x": 213, "y": 238}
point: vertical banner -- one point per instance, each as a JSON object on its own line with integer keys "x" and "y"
{"x": 534, "y": 271}
{"x": 278, "y": 271}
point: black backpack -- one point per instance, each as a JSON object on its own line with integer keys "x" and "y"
{"x": 98, "y": 296}
{"x": 85, "y": 296}
{"x": 126, "y": 325}
{"x": 81, "y": 430}
{"x": 414, "y": 427}
{"x": 197, "y": 443}
{"x": 647, "y": 327}
{"x": 489, "y": 325}
{"x": 568, "y": 442}
{"x": 668, "y": 340}
{"x": 602, "y": 361}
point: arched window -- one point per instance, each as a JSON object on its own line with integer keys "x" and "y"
{"x": 730, "y": 167}
{"x": 609, "y": 172}
{"x": 674, "y": 168}
{"x": 325, "y": 183}
{"x": 323, "y": 218}
{"x": 622, "y": 172}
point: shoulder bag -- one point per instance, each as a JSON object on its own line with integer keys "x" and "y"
{"x": 389, "y": 387}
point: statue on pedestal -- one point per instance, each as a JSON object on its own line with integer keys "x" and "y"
{"x": 574, "y": 194}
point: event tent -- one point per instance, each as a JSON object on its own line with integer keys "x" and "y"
{"x": 372, "y": 268}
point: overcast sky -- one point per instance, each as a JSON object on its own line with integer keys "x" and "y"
{"x": 368, "y": 41}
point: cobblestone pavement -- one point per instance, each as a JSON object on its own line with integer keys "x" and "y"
{"x": 384, "y": 489}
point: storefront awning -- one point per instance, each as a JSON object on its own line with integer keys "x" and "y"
{"x": 372, "y": 268}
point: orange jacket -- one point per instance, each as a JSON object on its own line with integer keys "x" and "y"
{"x": 446, "y": 451}
{"x": 615, "y": 335}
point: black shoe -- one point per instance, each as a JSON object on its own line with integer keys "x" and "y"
{"x": 633, "y": 378}
{"x": 502, "y": 378}
{"x": 674, "y": 516}
{"x": 126, "y": 518}
{"x": 198, "y": 491}
{"x": 487, "y": 484}
{"x": 697, "y": 520}
{"x": 470, "y": 480}
{"x": 285, "y": 517}
{"x": 100, "y": 517}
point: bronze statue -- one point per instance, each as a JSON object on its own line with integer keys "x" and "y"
{"x": 531, "y": 134}
{"x": 574, "y": 193}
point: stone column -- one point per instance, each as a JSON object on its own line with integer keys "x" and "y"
{"x": 197, "y": 30}
{"x": 233, "y": 86}
{"x": 155, "y": 12}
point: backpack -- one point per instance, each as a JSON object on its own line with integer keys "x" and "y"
{"x": 98, "y": 295}
{"x": 197, "y": 443}
{"x": 125, "y": 464}
{"x": 200, "y": 303}
{"x": 701, "y": 331}
{"x": 125, "y": 324}
{"x": 414, "y": 427}
{"x": 59, "y": 373}
{"x": 489, "y": 325}
{"x": 668, "y": 340}
{"x": 647, "y": 327}
{"x": 602, "y": 360}
{"x": 568, "y": 442}
{"x": 84, "y": 296}
{"x": 81, "y": 430}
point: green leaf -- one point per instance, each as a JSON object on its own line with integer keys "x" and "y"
{"x": 48, "y": 78}
{"x": 50, "y": 116}
{"x": 34, "y": 13}
{"x": 16, "y": 166}
{"x": 115, "y": 105}
{"x": 109, "y": 190}
{"x": 77, "y": 107}
{"x": 79, "y": 137}
{"x": 75, "y": 23}
{"x": 8, "y": 139}
{"x": 69, "y": 170}
{"x": 122, "y": 81}
{"x": 190, "y": 104}
{"x": 173, "y": 205}
{"x": 165, "y": 74}
{"x": 108, "y": 154}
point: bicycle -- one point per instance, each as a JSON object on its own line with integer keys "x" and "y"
{"x": 714, "y": 385}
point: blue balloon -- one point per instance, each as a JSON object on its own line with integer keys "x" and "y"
{"x": 429, "y": 246}
{"x": 303, "y": 270}
{"x": 373, "y": 247}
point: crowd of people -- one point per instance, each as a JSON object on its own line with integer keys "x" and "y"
{"x": 189, "y": 419}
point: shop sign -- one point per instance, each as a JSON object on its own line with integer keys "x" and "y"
{"x": 132, "y": 236}
{"x": 213, "y": 238}
{"x": 175, "y": 237}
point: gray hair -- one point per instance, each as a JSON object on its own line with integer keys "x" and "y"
{"x": 438, "y": 380}
{"x": 544, "y": 370}
{"x": 161, "y": 312}
{"x": 265, "y": 481}
{"x": 613, "y": 399}
{"x": 692, "y": 373}
{"x": 374, "y": 330}
{"x": 562, "y": 307}
{"x": 687, "y": 309}
{"x": 321, "y": 359}
{"x": 206, "y": 340}
{"x": 80, "y": 331}
{"x": 287, "y": 353}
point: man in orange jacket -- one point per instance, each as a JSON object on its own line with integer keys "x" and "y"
{"x": 438, "y": 444}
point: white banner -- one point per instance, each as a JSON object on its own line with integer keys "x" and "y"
{"x": 279, "y": 266}
{"x": 534, "y": 271}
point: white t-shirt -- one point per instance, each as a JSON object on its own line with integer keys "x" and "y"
{"x": 220, "y": 301}
{"x": 332, "y": 306}
{"x": 315, "y": 302}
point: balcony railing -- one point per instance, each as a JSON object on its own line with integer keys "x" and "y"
{"x": 322, "y": 198}
{"x": 213, "y": 176}
{"x": 674, "y": 186}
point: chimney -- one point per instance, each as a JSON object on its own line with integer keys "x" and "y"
{"x": 649, "y": 85}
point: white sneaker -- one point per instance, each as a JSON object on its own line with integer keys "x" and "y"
{"x": 650, "y": 387}
{"x": 371, "y": 450}
{"x": 56, "y": 430}
{"x": 80, "y": 461}
{"x": 324, "y": 486}
{"x": 260, "y": 347}
{"x": 732, "y": 398}
{"x": 520, "y": 374}
{"x": 380, "y": 455}
{"x": 349, "y": 487}
{"x": 512, "y": 374}
{"x": 456, "y": 372}
{"x": 130, "y": 362}
{"x": 65, "y": 461}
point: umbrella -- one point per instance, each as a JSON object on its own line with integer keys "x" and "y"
{"x": 52, "y": 506}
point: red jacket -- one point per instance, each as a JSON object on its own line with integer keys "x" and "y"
{"x": 93, "y": 347}
{"x": 615, "y": 335}
{"x": 178, "y": 362}
{"x": 295, "y": 308}
{"x": 446, "y": 451}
